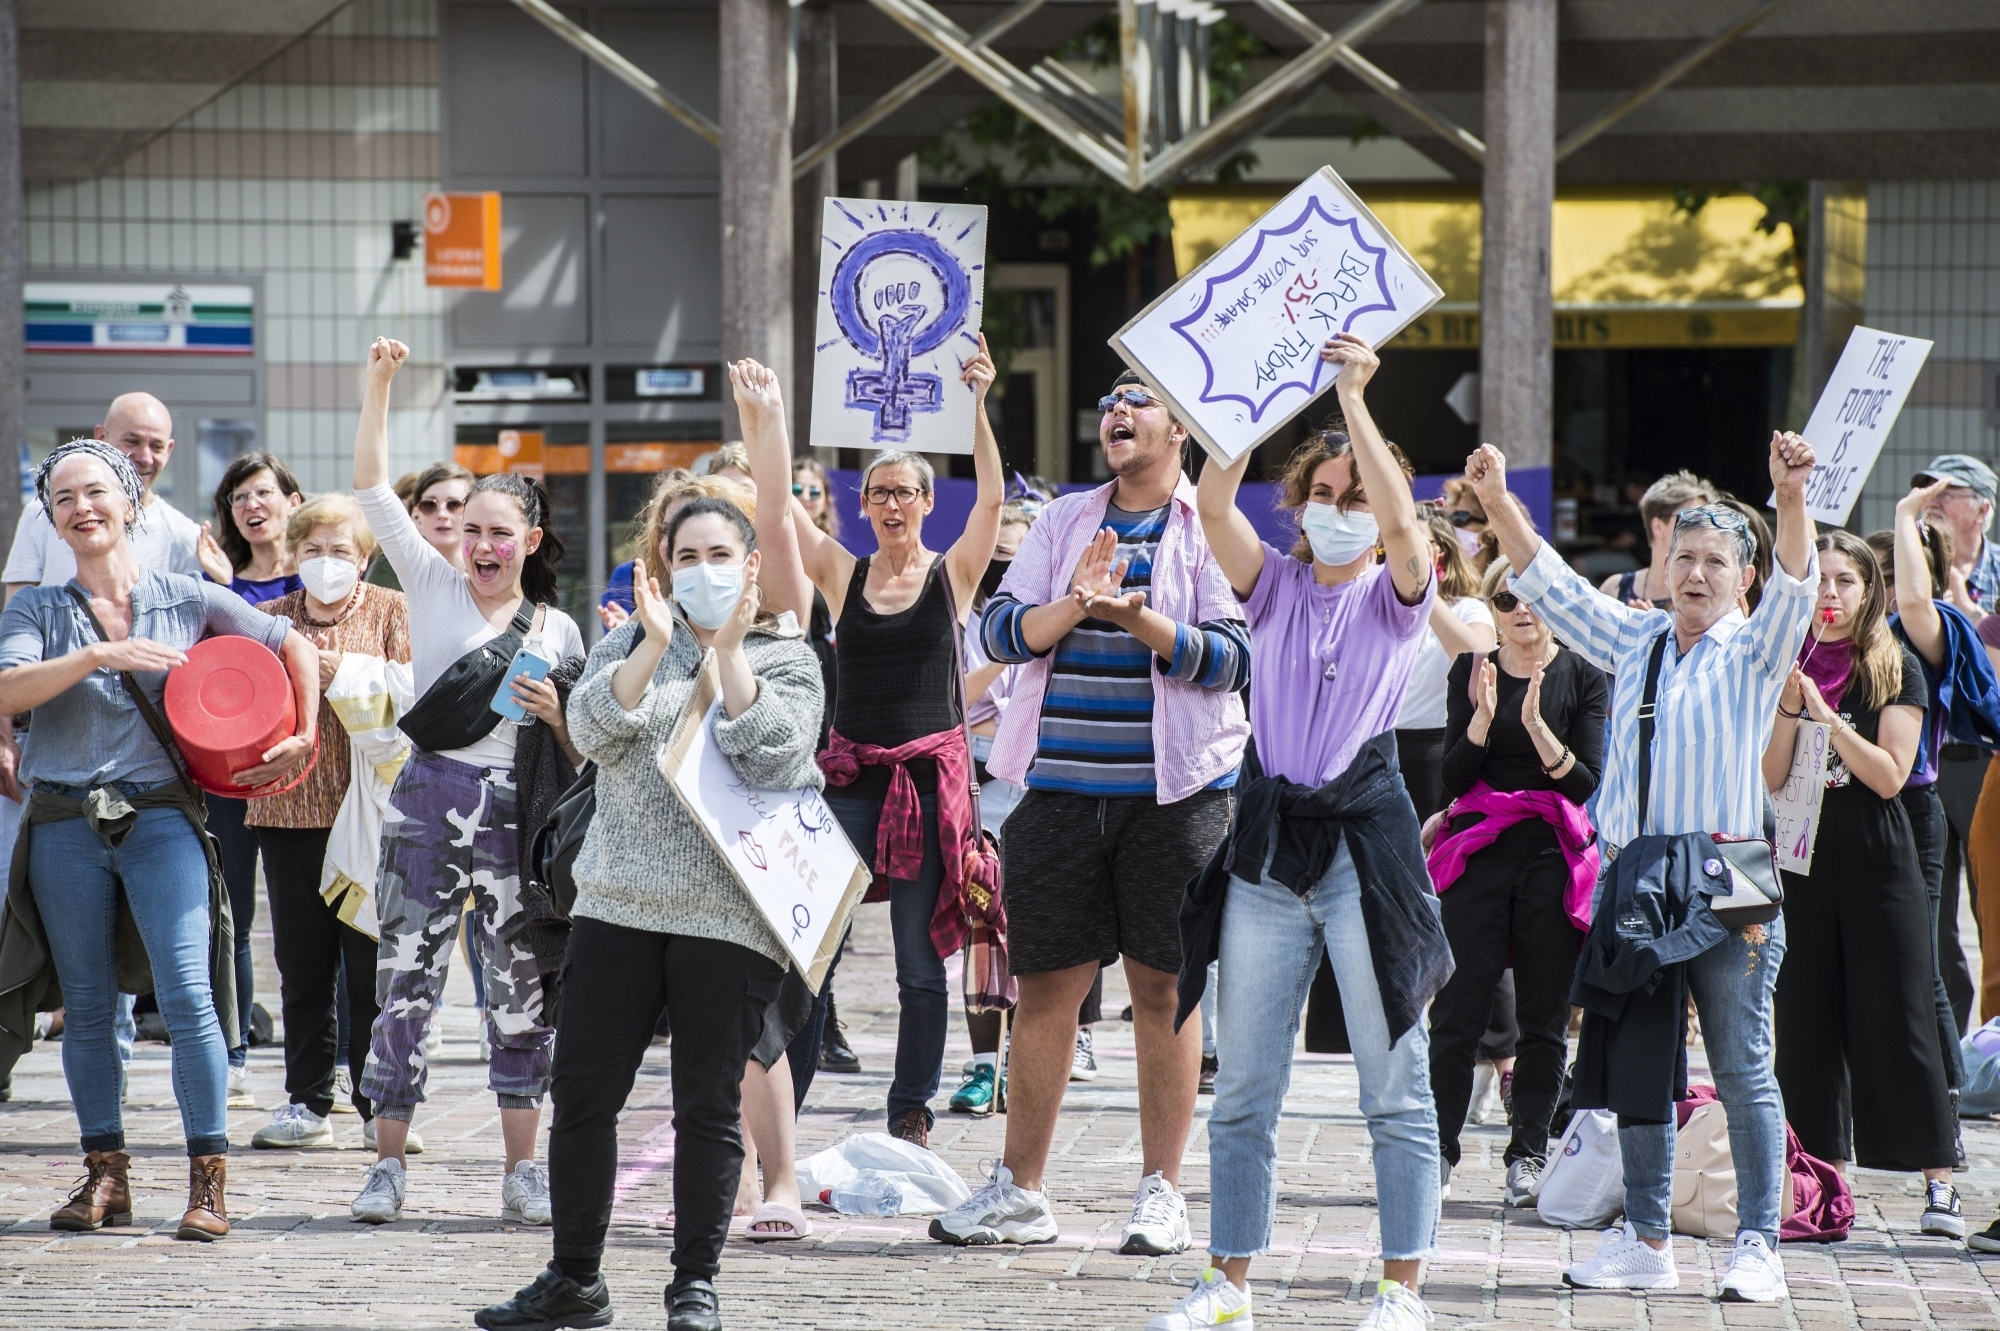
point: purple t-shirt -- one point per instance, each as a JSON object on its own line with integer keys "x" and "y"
{"x": 1308, "y": 725}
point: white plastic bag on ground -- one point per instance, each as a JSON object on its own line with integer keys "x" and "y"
{"x": 929, "y": 1184}
{"x": 1584, "y": 1184}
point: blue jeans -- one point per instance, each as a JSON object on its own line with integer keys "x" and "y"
{"x": 1271, "y": 943}
{"x": 1732, "y": 984}
{"x": 924, "y": 998}
{"x": 75, "y": 877}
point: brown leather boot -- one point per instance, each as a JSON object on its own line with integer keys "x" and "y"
{"x": 913, "y": 1126}
{"x": 207, "y": 1215}
{"x": 103, "y": 1198}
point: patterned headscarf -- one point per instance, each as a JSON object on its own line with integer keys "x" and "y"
{"x": 121, "y": 468}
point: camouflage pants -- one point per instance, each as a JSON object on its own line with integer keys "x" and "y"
{"x": 449, "y": 835}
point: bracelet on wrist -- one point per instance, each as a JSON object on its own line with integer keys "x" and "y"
{"x": 1794, "y": 716}
{"x": 1561, "y": 758}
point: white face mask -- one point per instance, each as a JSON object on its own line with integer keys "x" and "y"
{"x": 329, "y": 580}
{"x": 1338, "y": 538}
{"x": 706, "y": 593}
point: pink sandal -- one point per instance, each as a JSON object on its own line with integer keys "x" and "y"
{"x": 794, "y": 1220}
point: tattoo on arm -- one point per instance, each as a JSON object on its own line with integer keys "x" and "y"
{"x": 1416, "y": 570}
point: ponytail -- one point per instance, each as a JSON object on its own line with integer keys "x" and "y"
{"x": 538, "y": 569}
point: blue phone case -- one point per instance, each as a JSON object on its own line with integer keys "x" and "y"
{"x": 526, "y": 662}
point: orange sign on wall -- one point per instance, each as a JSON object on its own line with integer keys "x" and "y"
{"x": 574, "y": 459}
{"x": 521, "y": 453}
{"x": 462, "y": 240}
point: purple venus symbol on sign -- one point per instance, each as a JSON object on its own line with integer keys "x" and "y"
{"x": 894, "y": 392}
{"x": 1300, "y": 284}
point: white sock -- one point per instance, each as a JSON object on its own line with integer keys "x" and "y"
{"x": 987, "y": 1060}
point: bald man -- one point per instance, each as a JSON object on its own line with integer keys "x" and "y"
{"x": 164, "y": 538}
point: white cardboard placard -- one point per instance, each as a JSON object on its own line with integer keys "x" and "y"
{"x": 785, "y": 846}
{"x": 1233, "y": 348}
{"x": 902, "y": 290}
{"x": 1852, "y": 418}
{"x": 1798, "y": 802}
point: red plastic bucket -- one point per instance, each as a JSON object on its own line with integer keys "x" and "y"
{"x": 229, "y": 706}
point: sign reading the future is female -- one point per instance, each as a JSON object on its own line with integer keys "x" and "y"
{"x": 901, "y": 292}
{"x": 1234, "y": 348}
{"x": 1863, "y": 396}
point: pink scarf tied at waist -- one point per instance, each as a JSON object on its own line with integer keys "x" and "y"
{"x": 1503, "y": 809}
{"x": 899, "y": 836}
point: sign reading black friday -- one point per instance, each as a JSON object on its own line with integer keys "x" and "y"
{"x": 1234, "y": 347}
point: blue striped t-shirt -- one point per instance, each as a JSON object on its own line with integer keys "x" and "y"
{"x": 1096, "y": 735}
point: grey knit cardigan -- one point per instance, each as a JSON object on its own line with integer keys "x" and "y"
{"x": 645, "y": 863}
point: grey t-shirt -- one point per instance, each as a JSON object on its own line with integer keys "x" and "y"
{"x": 93, "y": 733}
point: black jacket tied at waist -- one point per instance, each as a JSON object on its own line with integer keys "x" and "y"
{"x": 1367, "y": 804}
{"x": 1631, "y": 978}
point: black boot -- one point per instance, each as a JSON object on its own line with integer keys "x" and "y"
{"x": 835, "y": 1055}
{"x": 553, "y": 1301}
{"x": 691, "y": 1305}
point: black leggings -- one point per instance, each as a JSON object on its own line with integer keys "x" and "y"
{"x": 313, "y": 947}
{"x": 238, "y": 845}
{"x": 616, "y": 981}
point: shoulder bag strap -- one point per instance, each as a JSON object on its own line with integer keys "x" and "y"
{"x": 1647, "y": 709}
{"x": 154, "y": 721}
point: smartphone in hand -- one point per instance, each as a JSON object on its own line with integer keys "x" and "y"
{"x": 526, "y": 662}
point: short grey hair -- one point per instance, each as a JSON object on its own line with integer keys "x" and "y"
{"x": 889, "y": 457}
{"x": 1722, "y": 518}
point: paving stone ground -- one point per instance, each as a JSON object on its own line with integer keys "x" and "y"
{"x": 296, "y": 1262}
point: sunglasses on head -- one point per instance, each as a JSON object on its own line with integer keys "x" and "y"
{"x": 1712, "y": 515}
{"x": 1506, "y": 602}
{"x": 429, "y": 507}
{"x": 1134, "y": 398}
{"x": 806, "y": 491}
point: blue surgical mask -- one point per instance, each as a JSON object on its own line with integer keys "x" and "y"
{"x": 706, "y": 593}
{"x": 1338, "y": 538}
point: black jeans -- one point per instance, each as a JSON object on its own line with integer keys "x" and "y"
{"x": 239, "y": 872}
{"x": 1961, "y": 776}
{"x": 1930, "y": 831}
{"x": 1502, "y": 903}
{"x": 803, "y": 1052}
{"x": 616, "y": 981}
{"x": 313, "y": 949}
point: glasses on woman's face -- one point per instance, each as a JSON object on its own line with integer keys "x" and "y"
{"x": 1506, "y": 602}
{"x": 806, "y": 491}
{"x": 263, "y": 494}
{"x": 431, "y": 507}
{"x": 1134, "y": 398}
{"x": 904, "y": 495}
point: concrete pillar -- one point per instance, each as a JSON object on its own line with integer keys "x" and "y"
{"x": 13, "y": 262}
{"x": 815, "y": 114}
{"x": 1516, "y": 327}
{"x": 756, "y": 191}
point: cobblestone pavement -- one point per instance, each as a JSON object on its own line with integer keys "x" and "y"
{"x": 296, "y": 1261}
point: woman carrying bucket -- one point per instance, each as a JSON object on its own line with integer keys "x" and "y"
{"x": 111, "y": 805}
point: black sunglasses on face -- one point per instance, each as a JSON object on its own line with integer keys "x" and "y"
{"x": 1134, "y": 398}
{"x": 1461, "y": 518}
{"x": 1506, "y": 602}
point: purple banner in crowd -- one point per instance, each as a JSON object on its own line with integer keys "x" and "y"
{"x": 1258, "y": 499}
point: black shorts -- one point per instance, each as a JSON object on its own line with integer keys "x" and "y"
{"x": 1090, "y": 880}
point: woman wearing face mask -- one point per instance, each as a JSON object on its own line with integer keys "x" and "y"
{"x": 660, "y": 922}
{"x": 451, "y": 831}
{"x": 1514, "y": 865}
{"x": 253, "y": 503}
{"x": 1858, "y": 1055}
{"x": 1325, "y": 849}
{"x": 436, "y": 499}
{"x": 340, "y": 615}
{"x": 897, "y": 724}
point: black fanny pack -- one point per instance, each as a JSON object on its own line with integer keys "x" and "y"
{"x": 456, "y": 709}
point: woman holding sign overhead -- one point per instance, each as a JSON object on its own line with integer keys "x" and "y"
{"x": 1858, "y": 1058}
{"x": 660, "y": 920}
{"x": 898, "y": 726}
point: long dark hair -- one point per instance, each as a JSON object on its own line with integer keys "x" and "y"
{"x": 1878, "y": 657}
{"x": 538, "y": 570}
{"x": 242, "y": 469}
{"x": 1295, "y": 486}
{"x": 721, "y": 508}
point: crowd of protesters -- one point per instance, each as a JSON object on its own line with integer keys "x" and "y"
{"x": 1414, "y": 764}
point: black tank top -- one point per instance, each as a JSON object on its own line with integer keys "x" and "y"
{"x": 1628, "y": 585}
{"x": 895, "y": 677}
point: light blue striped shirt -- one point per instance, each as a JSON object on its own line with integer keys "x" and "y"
{"x": 1715, "y": 706}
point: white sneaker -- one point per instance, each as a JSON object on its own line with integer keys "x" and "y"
{"x": 1083, "y": 1063}
{"x": 1397, "y": 1308}
{"x": 381, "y": 1198}
{"x": 1159, "y": 1223}
{"x": 998, "y": 1212}
{"x": 1942, "y": 1213}
{"x": 1485, "y": 1094}
{"x": 293, "y": 1125}
{"x": 413, "y": 1146}
{"x": 1756, "y": 1275}
{"x": 524, "y": 1194}
{"x": 240, "y": 1096}
{"x": 1523, "y": 1177}
{"x": 1213, "y": 1302}
{"x": 343, "y": 1092}
{"x": 1623, "y": 1261}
